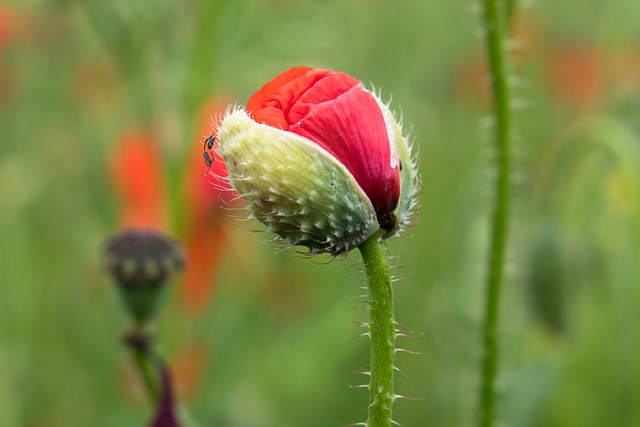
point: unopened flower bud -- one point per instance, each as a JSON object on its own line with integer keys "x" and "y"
{"x": 320, "y": 161}
{"x": 141, "y": 263}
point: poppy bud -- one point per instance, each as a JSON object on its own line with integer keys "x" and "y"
{"x": 320, "y": 161}
{"x": 142, "y": 262}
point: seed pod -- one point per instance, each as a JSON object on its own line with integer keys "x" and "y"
{"x": 142, "y": 263}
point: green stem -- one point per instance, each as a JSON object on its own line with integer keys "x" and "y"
{"x": 382, "y": 332}
{"x": 148, "y": 373}
{"x": 139, "y": 343}
{"x": 495, "y": 36}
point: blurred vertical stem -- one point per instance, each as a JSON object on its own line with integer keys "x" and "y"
{"x": 494, "y": 21}
{"x": 139, "y": 342}
{"x": 148, "y": 372}
{"x": 381, "y": 330}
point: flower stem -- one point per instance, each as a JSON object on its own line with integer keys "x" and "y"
{"x": 494, "y": 23}
{"x": 382, "y": 331}
{"x": 139, "y": 342}
{"x": 148, "y": 373}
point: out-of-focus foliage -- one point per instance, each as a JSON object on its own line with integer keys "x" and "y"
{"x": 266, "y": 346}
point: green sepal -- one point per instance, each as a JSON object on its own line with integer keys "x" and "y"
{"x": 294, "y": 187}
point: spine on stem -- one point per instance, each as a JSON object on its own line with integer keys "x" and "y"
{"x": 382, "y": 332}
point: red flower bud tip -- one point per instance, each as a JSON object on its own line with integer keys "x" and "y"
{"x": 334, "y": 110}
{"x": 317, "y": 157}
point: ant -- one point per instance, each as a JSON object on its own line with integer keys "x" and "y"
{"x": 209, "y": 141}
{"x": 208, "y": 155}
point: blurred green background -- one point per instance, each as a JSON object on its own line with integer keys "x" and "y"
{"x": 268, "y": 348}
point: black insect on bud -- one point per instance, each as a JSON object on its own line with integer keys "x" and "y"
{"x": 208, "y": 160}
{"x": 209, "y": 142}
{"x": 208, "y": 152}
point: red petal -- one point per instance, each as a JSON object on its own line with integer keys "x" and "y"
{"x": 270, "y": 114}
{"x": 333, "y": 110}
{"x": 360, "y": 142}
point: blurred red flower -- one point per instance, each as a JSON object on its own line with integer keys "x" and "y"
{"x": 137, "y": 177}
{"x": 187, "y": 368}
{"x": 4, "y": 26}
{"x": 575, "y": 75}
{"x": 5, "y": 17}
